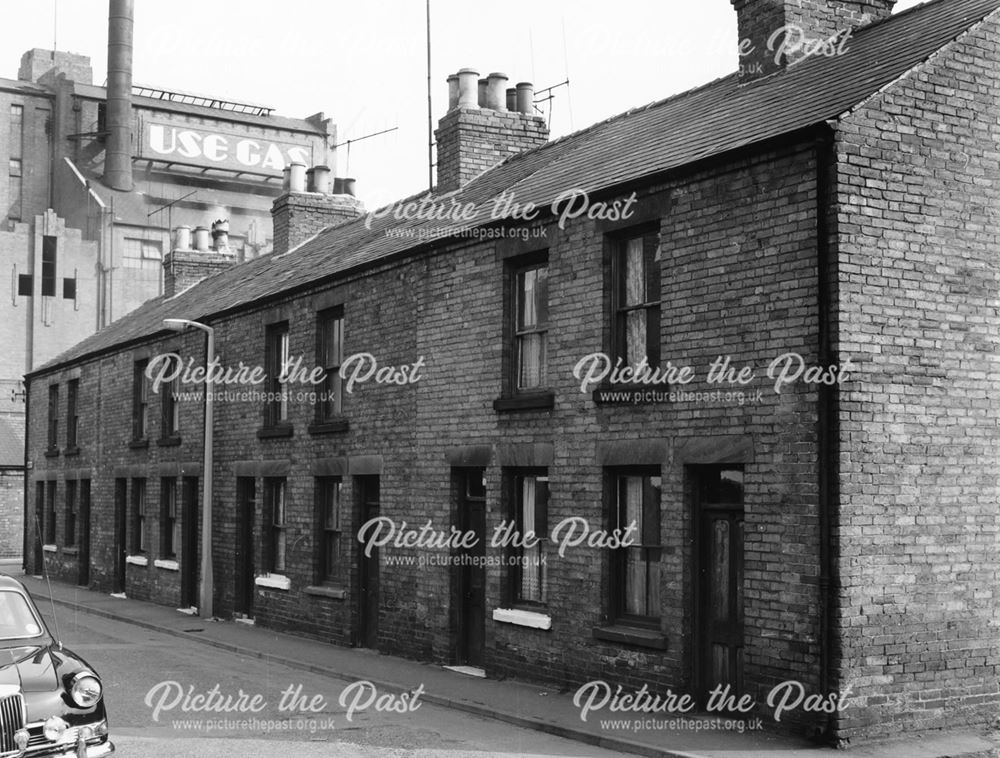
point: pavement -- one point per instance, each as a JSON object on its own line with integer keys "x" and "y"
{"x": 524, "y": 705}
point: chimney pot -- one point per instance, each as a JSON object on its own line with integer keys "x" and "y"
{"x": 201, "y": 239}
{"x": 220, "y": 235}
{"x": 321, "y": 179}
{"x": 482, "y": 92}
{"x": 496, "y": 84}
{"x": 297, "y": 177}
{"x": 512, "y": 99}
{"x": 452, "y": 92}
{"x": 350, "y": 186}
{"x": 468, "y": 88}
{"x": 525, "y": 98}
{"x": 182, "y": 238}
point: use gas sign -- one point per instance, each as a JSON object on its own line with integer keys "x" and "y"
{"x": 213, "y": 149}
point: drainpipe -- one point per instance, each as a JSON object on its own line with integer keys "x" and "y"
{"x": 25, "y": 542}
{"x": 828, "y": 414}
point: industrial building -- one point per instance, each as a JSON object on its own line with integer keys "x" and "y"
{"x": 96, "y": 179}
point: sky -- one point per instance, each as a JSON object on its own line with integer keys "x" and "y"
{"x": 364, "y": 64}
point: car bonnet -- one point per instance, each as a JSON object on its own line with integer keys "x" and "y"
{"x": 30, "y": 667}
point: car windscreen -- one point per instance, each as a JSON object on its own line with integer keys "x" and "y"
{"x": 17, "y": 619}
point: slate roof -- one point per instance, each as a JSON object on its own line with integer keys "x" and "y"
{"x": 711, "y": 120}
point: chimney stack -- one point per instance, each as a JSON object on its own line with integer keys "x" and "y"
{"x": 191, "y": 258}
{"x": 486, "y": 123}
{"x": 310, "y": 204}
{"x": 118, "y": 154}
{"x": 771, "y": 32}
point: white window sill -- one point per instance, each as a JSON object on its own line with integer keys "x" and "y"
{"x": 522, "y": 618}
{"x": 137, "y": 560}
{"x": 273, "y": 582}
{"x": 50, "y": 548}
{"x": 167, "y": 565}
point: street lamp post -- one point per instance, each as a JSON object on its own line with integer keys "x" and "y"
{"x": 206, "y": 587}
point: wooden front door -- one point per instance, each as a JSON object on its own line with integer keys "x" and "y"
{"x": 368, "y": 565}
{"x": 246, "y": 506}
{"x": 470, "y": 575}
{"x": 719, "y": 561}
{"x": 121, "y": 524}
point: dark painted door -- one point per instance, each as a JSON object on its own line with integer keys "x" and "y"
{"x": 368, "y": 565}
{"x": 246, "y": 505}
{"x": 39, "y": 526}
{"x": 720, "y": 576}
{"x": 121, "y": 522}
{"x": 471, "y": 578}
{"x": 83, "y": 530}
{"x": 189, "y": 542}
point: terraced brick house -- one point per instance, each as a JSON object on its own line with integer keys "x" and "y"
{"x": 836, "y": 529}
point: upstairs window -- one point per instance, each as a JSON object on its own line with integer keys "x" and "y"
{"x": 53, "y": 418}
{"x": 531, "y": 326}
{"x": 169, "y": 405}
{"x": 635, "y": 300}
{"x": 330, "y": 354}
{"x": 140, "y": 401}
{"x": 276, "y": 355}
{"x": 72, "y": 414}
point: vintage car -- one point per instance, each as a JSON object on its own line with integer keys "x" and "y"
{"x": 51, "y": 701}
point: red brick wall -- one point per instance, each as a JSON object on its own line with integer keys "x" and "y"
{"x": 918, "y": 195}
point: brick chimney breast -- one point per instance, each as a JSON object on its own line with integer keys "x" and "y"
{"x": 182, "y": 268}
{"x": 297, "y": 216}
{"x": 761, "y": 22}
{"x": 477, "y": 133}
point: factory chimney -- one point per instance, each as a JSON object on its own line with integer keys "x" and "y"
{"x": 118, "y": 155}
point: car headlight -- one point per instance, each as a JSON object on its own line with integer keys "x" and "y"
{"x": 54, "y": 729}
{"x": 86, "y": 690}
